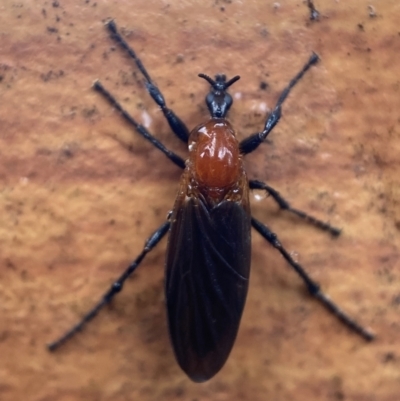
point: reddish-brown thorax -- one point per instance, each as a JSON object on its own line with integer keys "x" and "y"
{"x": 214, "y": 158}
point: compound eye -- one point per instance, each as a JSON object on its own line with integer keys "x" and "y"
{"x": 228, "y": 101}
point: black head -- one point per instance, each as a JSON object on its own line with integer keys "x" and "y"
{"x": 218, "y": 99}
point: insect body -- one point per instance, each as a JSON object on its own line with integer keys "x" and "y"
{"x": 208, "y": 255}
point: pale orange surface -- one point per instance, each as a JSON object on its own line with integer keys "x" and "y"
{"x": 76, "y": 205}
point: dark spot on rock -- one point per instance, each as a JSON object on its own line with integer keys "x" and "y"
{"x": 52, "y": 29}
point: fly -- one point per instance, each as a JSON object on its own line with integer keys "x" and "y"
{"x": 209, "y": 229}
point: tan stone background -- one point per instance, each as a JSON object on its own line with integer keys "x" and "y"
{"x": 76, "y": 206}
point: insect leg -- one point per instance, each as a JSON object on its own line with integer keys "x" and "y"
{"x": 314, "y": 13}
{"x": 285, "y": 205}
{"x": 138, "y": 127}
{"x": 115, "y": 288}
{"x": 312, "y": 286}
{"x": 253, "y": 141}
{"x": 177, "y": 125}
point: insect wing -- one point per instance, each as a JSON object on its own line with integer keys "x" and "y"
{"x": 207, "y": 273}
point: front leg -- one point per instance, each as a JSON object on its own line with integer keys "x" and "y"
{"x": 252, "y": 142}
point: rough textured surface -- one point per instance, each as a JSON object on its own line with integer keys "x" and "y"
{"x": 76, "y": 205}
